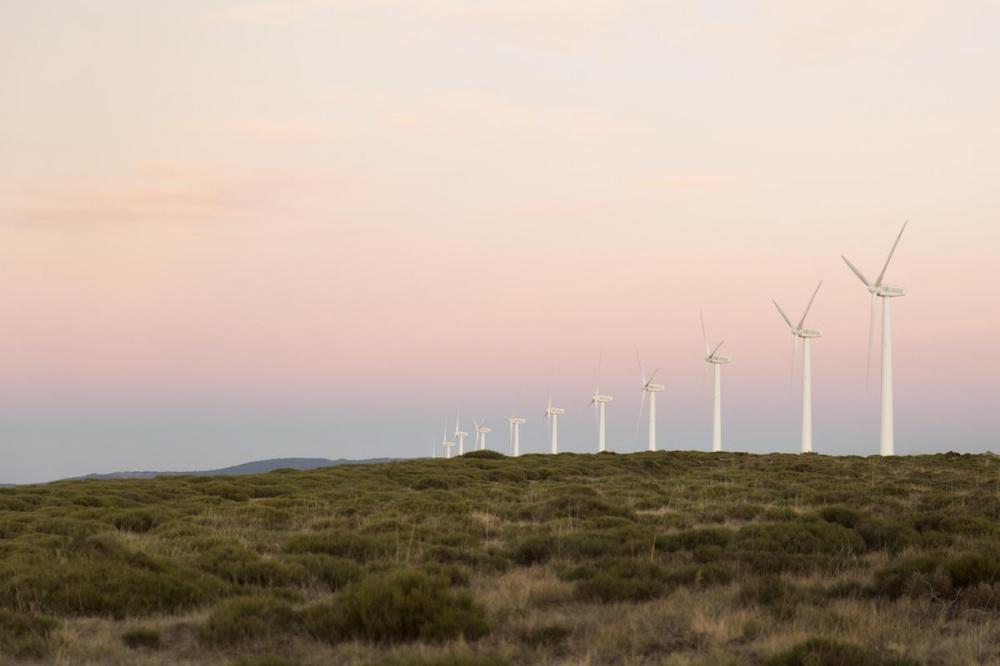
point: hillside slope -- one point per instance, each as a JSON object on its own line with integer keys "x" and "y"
{"x": 648, "y": 558}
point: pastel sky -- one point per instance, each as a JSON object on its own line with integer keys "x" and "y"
{"x": 233, "y": 230}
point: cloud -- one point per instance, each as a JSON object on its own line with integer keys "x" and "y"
{"x": 151, "y": 192}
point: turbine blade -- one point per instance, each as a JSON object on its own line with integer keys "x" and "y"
{"x": 803, "y": 320}
{"x": 783, "y": 315}
{"x": 642, "y": 374}
{"x": 704, "y": 335}
{"x": 871, "y": 333}
{"x": 889, "y": 258}
{"x": 856, "y": 271}
{"x": 716, "y": 349}
{"x": 650, "y": 381}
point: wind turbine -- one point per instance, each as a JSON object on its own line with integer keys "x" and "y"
{"x": 515, "y": 433}
{"x": 460, "y": 436}
{"x": 805, "y": 335}
{"x": 885, "y": 292}
{"x": 481, "y": 431}
{"x": 712, "y": 356}
{"x": 650, "y": 389}
{"x": 446, "y": 444}
{"x": 552, "y": 414}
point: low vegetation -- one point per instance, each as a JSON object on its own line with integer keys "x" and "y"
{"x": 650, "y": 558}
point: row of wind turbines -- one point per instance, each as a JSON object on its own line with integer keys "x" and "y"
{"x": 878, "y": 290}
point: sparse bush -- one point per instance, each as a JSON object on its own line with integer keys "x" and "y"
{"x": 398, "y": 606}
{"x": 244, "y": 620}
{"x": 24, "y": 636}
{"x": 533, "y": 550}
{"x": 623, "y": 580}
{"x": 142, "y": 637}
{"x": 840, "y": 515}
{"x": 333, "y": 572}
{"x": 771, "y": 593}
{"x": 545, "y": 636}
{"x": 826, "y": 652}
{"x": 138, "y": 521}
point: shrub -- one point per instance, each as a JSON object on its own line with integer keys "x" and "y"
{"x": 546, "y": 635}
{"x": 142, "y": 637}
{"x": 907, "y": 576}
{"x": 623, "y": 580}
{"x": 342, "y": 543}
{"x": 333, "y": 572}
{"x": 264, "y": 660}
{"x": 249, "y": 620}
{"x": 826, "y": 652}
{"x": 398, "y": 606}
{"x": 884, "y": 535}
{"x": 701, "y": 575}
{"x": 971, "y": 569}
{"x": 840, "y": 515}
{"x": 771, "y": 593}
{"x": 139, "y": 521}
{"x": 24, "y": 636}
{"x": 534, "y": 550}
{"x": 242, "y": 567}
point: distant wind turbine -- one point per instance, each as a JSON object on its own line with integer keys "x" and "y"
{"x": 460, "y": 436}
{"x": 515, "y": 433}
{"x": 446, "y": 444}
{"x": 481, "y": 432}
{"x": 886, "y": 293}
{"x": 712, "y": 356}
{"x": 649, "y": 389}
{"x": 552, "y": 415}
{"x": 805, "y": 334}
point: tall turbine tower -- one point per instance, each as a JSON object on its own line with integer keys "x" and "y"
{"x": 460, "y": 436}
{"x": 515, "y": 433}
{"x": 598, "y": 401}
{"x": 886, "y": 293}
{"x": 481, "y": 431}
{"x": 446, "y": 444}
{"x": 716, "y": 360}
{"x": 552, "y": 414}
{"x": 804, "y": 334}
{"x": 650, "y": 389}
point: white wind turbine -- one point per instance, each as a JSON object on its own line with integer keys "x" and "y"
{"x": 805, "y": 335}
{"x": 446, "y": 444}
{"x": 711, "y": 356}
{"x": 649, "y": 389}
{"x": 886, "y": 293}
{"x": 460, "y": 436}
{"x": 481, "y": 432}
{"x": 515, "y": 433}
{"x": 552, "y": 414}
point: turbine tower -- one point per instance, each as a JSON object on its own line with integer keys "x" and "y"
{"x": 804, "y": 334}
{"x": 515, "y": 433}
{"x": 716, "y": 360}
{"x": 885, "y": 292}
{"x": 552, "y": 414}
{"x": 481, "y": 431}
{"x": 598, "y": 401}
{"x": 446, "y": 444}
{"x": 460, "y": 436}
{"x": 649, "y": 389}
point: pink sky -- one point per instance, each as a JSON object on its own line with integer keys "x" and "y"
{"x": 381, "y": 214}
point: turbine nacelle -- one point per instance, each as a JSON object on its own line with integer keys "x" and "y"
{"x": 718, "y": 359}
{"x": 482, "y": 429}
{"x": 807, "y": 333}
{"x": 653, "y": 388}
{"x": 887, "y": 291}
{"x": 459, "y": 433}
{"x": 602, "y": 398}
{"x": 555, "y": 411}
{"x": 516, "y": 420}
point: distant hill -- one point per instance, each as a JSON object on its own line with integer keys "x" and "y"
{"x": 254, "y": 467}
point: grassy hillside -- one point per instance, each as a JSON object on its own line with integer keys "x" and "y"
{"x": 676, "y": 558}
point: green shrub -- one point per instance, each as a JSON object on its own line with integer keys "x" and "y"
{"x": 333, "y": 572}
{"x": 24, "y": 636}
{"x": 701, "y": 575}
{"x": 138, "y": 521}
{"x": 343, "y": 543}
{"x": 771, "y": 593}
{"x": 533, "y": 550}
{"x": 142, "y": 637}
{"x": 398, "y": 606}
{"x": 826, "y": 652}
{"x": 242, "y": 567}
{"x": 623, "y": 580}
{"x": 264, "y": 660}
{"x": 840, "y": 515}
{"x": 243, "y": 620}
{"x": 971, "y": 569}
{"x": 545, "y": 636}
{"x": 450, "y": 659}
{"x": 884, "y": 535}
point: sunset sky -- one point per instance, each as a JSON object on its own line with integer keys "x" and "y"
{"x": 233, "y": 230}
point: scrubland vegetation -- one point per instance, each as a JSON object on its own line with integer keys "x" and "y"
{"x": 650, "y": 558}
